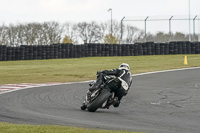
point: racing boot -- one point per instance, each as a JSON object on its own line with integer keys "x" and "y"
{"x": 111, "y": 102}
{"x": 116, "y": 102}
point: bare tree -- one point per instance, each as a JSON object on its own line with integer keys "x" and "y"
{"x": 131, "y": 34}
{"x": 69, "y": 30}
{"x": 91, "y": 32}
{"x": 52, "y": 32}
{"x": 3, "y": 35}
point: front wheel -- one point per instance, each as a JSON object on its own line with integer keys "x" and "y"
{"x": 92, "y": 107}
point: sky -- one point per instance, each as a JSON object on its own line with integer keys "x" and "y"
{"x": 24, "y": 11}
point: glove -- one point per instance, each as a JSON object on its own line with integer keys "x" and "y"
{"x": 98, "y": 72}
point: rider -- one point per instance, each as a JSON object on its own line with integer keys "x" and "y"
{"x": 121, "y": 83}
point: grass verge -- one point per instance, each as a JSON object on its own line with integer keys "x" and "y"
{"x": 68, "y": 70}
{"x": 15, "y": 128}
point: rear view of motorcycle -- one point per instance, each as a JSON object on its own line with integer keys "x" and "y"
{"x": 103, "y": 97}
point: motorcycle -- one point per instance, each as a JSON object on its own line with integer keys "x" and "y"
{"x": 103, "y": 97}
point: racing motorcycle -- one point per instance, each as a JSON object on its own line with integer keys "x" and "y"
{"x": 103, "y": 97}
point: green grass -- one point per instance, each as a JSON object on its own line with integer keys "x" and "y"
{"x": 67, "y": 70}
{"x": 14, "y": 128}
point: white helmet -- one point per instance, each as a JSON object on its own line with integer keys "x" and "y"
{"x": 124, "y": 66}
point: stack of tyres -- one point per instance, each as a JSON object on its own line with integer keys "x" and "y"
{"x": 135, "y": 48}
{"x": 86, "y": 50}
{"x": 184, "y": 51}
{"x": 111, "y": 50}
{"x": 90, "y": 50}
{"x": 56, "y": 51}
{"x": 13, "y": 53}
{"x": 82, "y": 50}
{"x": 44, "y": 52}
{"x": 149, "y": 48}
{"x": 176, "y": 48}
{"x": 39, "y": 49}
{"x": 107, "y": 50}
{"x": 131, "y": 49}
{"x": 115, "y": 50}
{"x": 123, "y": 49}
{"x": 99, "y": 50}
{"x": 157, "y": 48}
{"x": 180, "y": 47}
{"x": 119, "y": 50}
{"x": 171, "y": 47}
{"x": 25, "y": 52}
{"x": 73, "y": 51}
{"x": 67, "y": 50}
{"x": 162, "y": 48}
{"x": 59, "y": 51}
{"x": 188, "y": 47}
{"x": 193, "y": 47}
{"x": 30, "y": 53}
{"x": 74, "y": 54}
{"x": 48, "y": 52}
{"x": 94, "y": 50}
{"x": 63, "y": 50}
{"x": 127, "y": 50}
{"x": 35, "y": 52}
{"x": 144, "y": 47}
{"x": 166, "y": 51}
{"x": 78, "y": 51}
{"x": 1, "y": 52}
{"x": 51, "y": 51}
{"x": 102, "y": 49}
{"x": 153, "y": 50}
{"x": 140, "y": 49}
{"x": 10, "y": 53}
{"x": 4, "y": 53}
{"x": 197, "y": 47}
{"x": 17, "y": 53}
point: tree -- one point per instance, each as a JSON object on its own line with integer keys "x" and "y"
{"x": 69, "y": 30}
{"x": 161, "y": 37}
{"x": 91, "y": 32}
{"x": 110, "y": 39}
{"x": 178, "y": 36}
{"x": 67, "y": 39}
{"x": 133, "y": 34}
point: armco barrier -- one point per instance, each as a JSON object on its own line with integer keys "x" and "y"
{"x": 56, "y": 51}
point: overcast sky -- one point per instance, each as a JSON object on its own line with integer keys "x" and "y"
{"x": 14, "y": 11}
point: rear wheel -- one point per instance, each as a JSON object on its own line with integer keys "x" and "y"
{"x": 92, "y": 107}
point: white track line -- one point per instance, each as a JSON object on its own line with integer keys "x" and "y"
{"x": 15, "y": 87}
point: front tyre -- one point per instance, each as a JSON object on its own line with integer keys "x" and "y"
{"x": 83, "y": 107}
{"x": 103, "y": 96}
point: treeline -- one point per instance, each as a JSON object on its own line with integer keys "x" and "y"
{"x": 85, "y": 32}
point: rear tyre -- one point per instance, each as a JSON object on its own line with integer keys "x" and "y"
{"x": 99, "y": 100}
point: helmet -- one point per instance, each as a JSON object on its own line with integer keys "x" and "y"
{"x": 124, "y": 66}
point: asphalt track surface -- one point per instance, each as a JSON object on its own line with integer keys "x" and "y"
{"x": 164, "y": 102}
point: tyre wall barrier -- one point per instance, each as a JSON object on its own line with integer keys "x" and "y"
{"x": 58, "y": 51}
